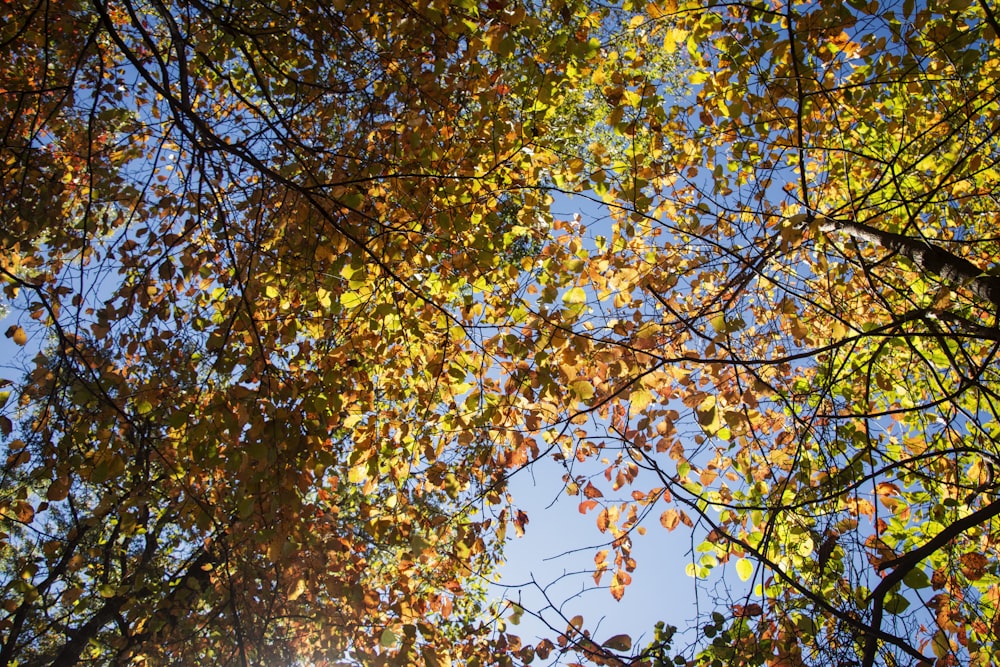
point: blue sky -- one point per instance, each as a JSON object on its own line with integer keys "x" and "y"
{"x": 556, "y": 553}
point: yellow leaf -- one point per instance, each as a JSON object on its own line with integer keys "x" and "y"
{"x": 619, "y": 582}
{"x": 17, "y": 334}
{"x": 575, "y": 296}
{"x": 708, "y": 415}
{"x": 351, "y": 300}
{"x": 323, "y": 297}
{"x": 639, "y": 400}
{"x": 673, "y": 38}
{"x": 357, "y": 474}
{"x": 582, "y": 389}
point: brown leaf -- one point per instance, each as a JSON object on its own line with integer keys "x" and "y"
{"x": 974, "y": 565}
{"x": 618, "y": 643}
{"x": 58, "y": 489}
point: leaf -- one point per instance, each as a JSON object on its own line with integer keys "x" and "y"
{"x": 640, "y": 399}
{"x": 587, "y": 505}
{"x": 388, "y": 638}
{"x": 916, "y": 579}
{"x": 58, "y": 489}
{"x": 353, "y": 299}
{"x": 17, "y": 334}
{"x": 940, "y": 644}
{"x": 744, "y": 569}
{"x": 583, "y": 390}
{"x": 708, "y": 415}
{"x": 619, "y": 581}
{"x": 296, "y": 590}
{"x": 602, "y": 521}
{"x": 575, "y": 296}
{"x": 670, "y": 519}
{"x": 517, "y": 611}
{"x": 974, "y": 565}
{"x": 618, "y": 643}
{"x": 896, "y": 604}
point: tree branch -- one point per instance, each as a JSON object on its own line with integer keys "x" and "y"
{"x": 927, "y": 257}
{"x": 905, "y": 563}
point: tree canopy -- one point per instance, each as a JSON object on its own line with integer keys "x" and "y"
{"x": 293, "y": 307}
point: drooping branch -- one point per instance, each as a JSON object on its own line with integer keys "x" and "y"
{"x": 927, "y": 257}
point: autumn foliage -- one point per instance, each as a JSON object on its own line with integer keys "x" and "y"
{"x": 288, "y": 306}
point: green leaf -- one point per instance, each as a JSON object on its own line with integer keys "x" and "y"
{"x": 896, "y": 604}
{"x": 916, "y": 579}
{"x": 388, "y": 639}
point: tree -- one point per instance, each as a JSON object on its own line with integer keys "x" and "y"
{"x": 248, "y": 247}
{"x": 295, "y": 307}
{"x": 792, "y": 329}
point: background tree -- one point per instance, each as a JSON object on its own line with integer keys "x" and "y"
{"x": 791, "y": 328}
{"x": 253, "y": 249}
{"x": 297, "y": 308}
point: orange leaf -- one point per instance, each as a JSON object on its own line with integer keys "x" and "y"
{"x": 619, "y": 582}
{"x": 17, "y": 334}
{"x": 670, "y": 519}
